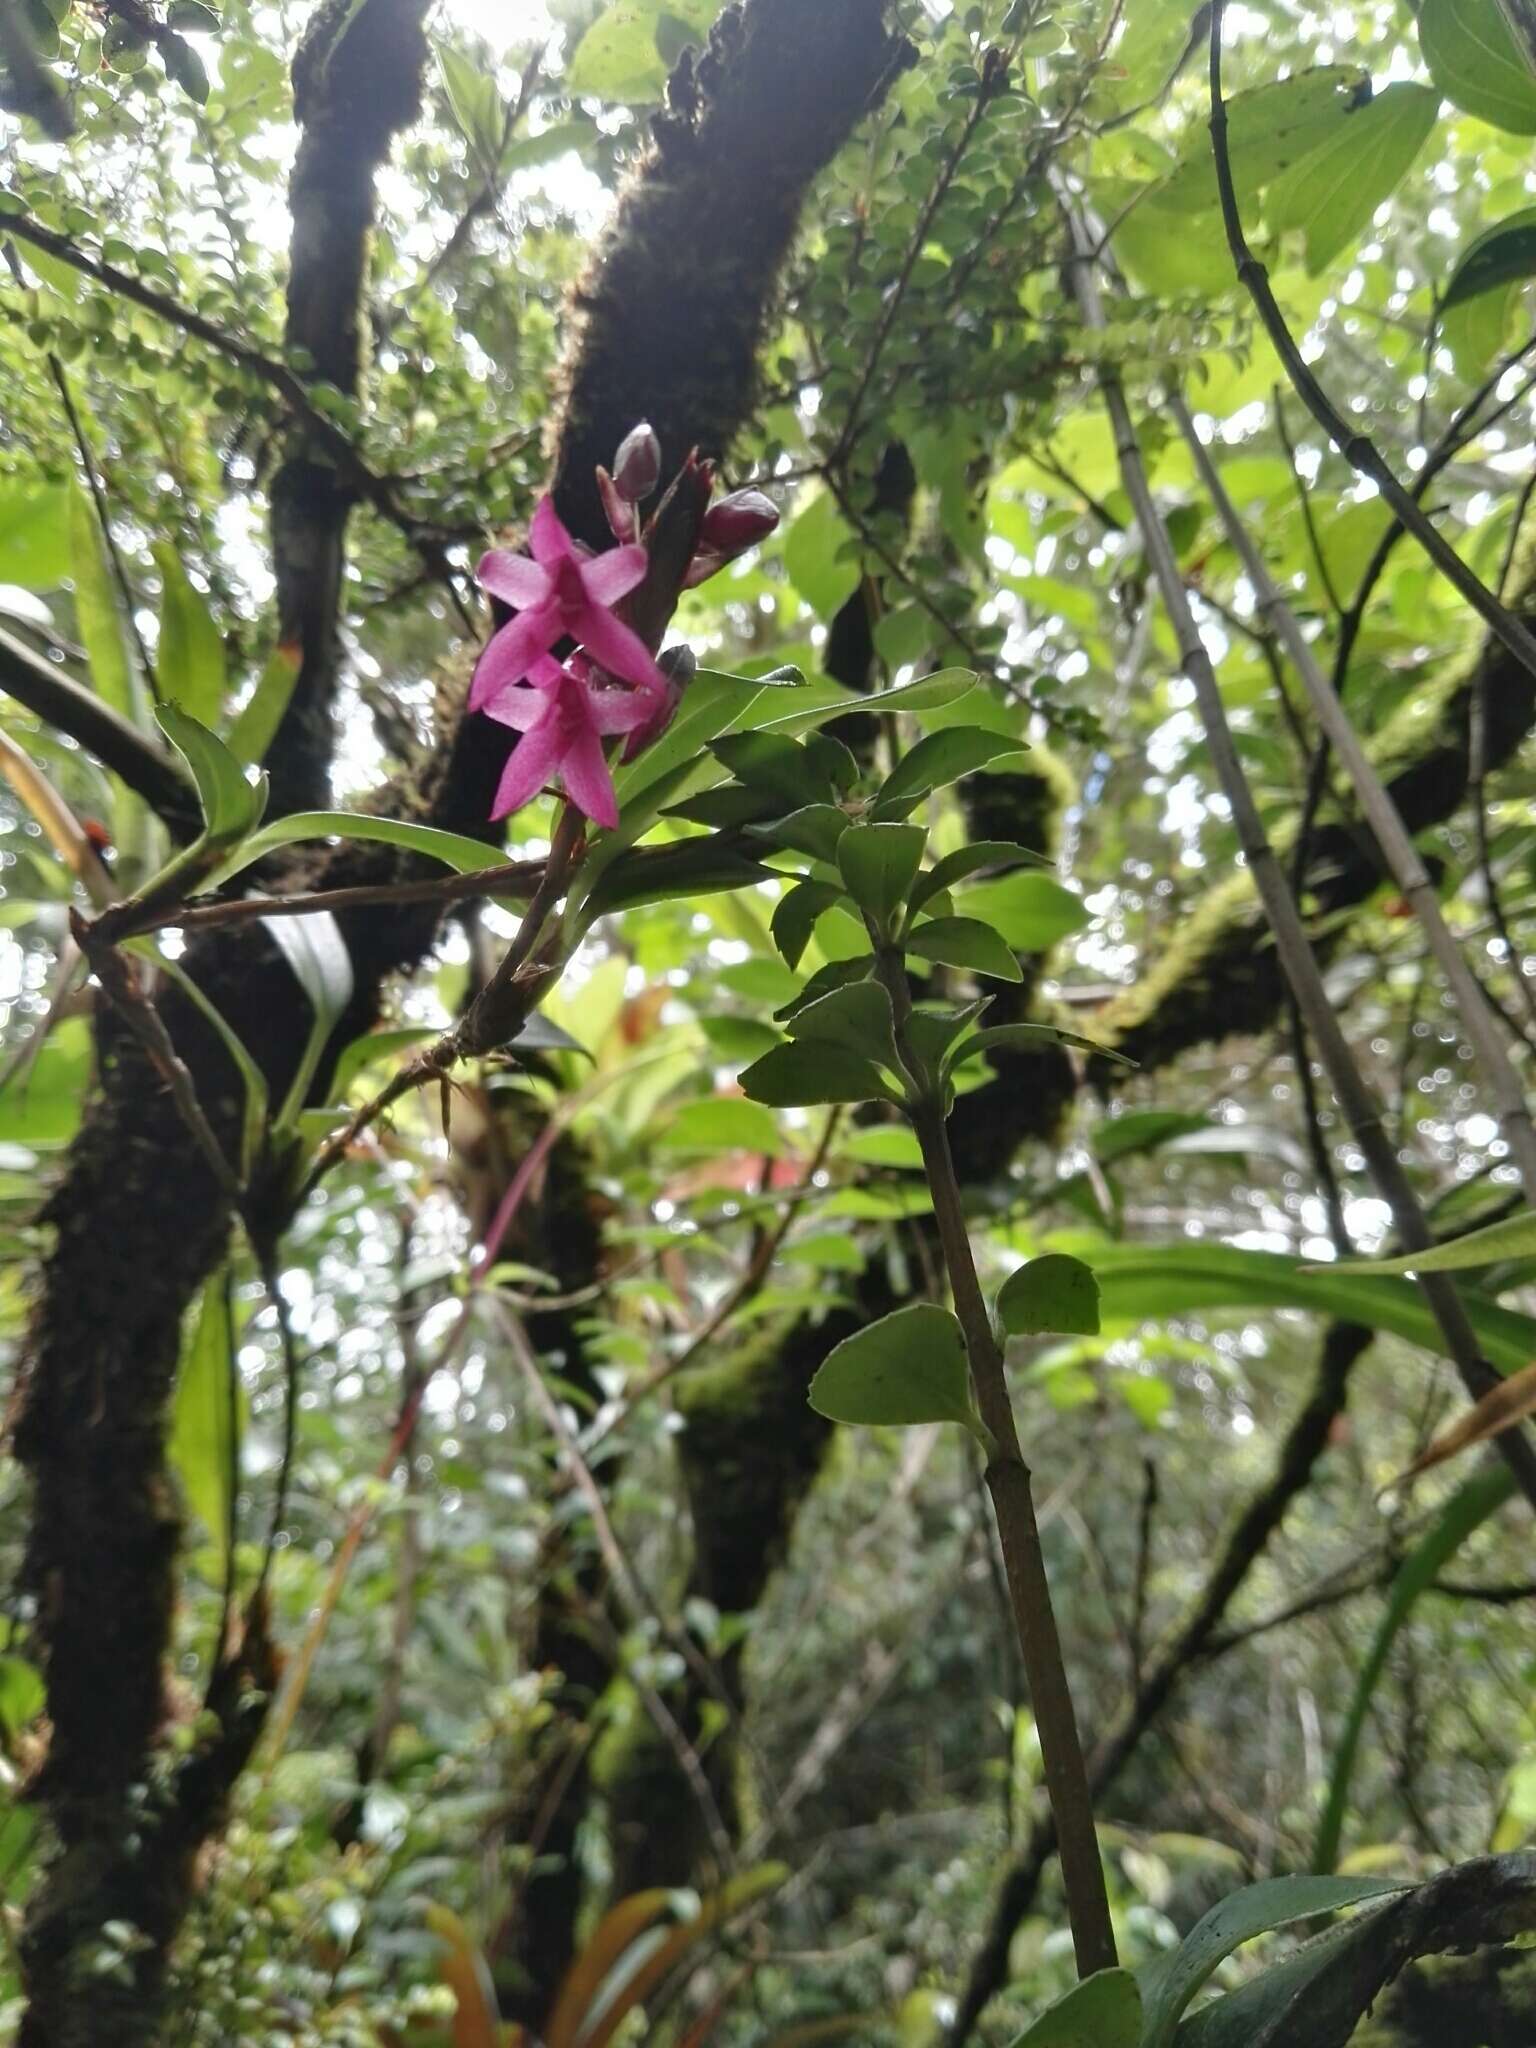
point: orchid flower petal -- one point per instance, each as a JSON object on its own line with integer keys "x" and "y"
{"x": 513, "y": 578}
{"x": 512, "y": 653}
{"x": 620, "y": 649}
{"x": 587, "y": 781}
{"x": 609, "y": 577}
{"x": 619, "y": 710}
{"x": 547, "y": 535}
{"x": 531, "y": 763}
{"x": 519, "y": 707}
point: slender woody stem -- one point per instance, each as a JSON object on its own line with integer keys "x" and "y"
{"x": 1008, "y": 1482}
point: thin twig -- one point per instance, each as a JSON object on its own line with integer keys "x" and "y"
{"x": 1358, "y": 450}
{"x": 1292, "y": 944}
{"x": 1402, "y": 857}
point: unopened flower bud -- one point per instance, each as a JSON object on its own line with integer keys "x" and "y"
{"x": 737, "y": 523}
{"x": 623, "y": 519}
{"x": 637, "y": 464}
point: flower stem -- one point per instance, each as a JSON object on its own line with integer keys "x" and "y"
{"x": 1008, "y": 1483}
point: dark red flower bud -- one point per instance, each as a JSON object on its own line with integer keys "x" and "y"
{"x": 737, "y": 523}
{"x": 637, "y": 464}
{"x": 623, "y": 519}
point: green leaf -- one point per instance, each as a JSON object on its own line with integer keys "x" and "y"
{"x": 815, "y": 559}
{"x": 1140, "y": 1281}
{"x": 35, "y": 528}
{"x": 1030, "y": 1038}
{"x": 795, "y": 914}
{"x": 183, "y": 64}
{"x": 697, "y": 867}
{"x": 1499, "y": 256}
{"x": 97, "y": 615}
{"x": 41, "y": 1103}
{"x": 369, "y": 1046}
{"x": 1104, "y": 2011}
{"x": 908, "y": 1367}
{"x": 941, "y": 758}
{"x": 972, "y": 860}
{"x": 258, "y": 719}
{"x": 22, "y": 1693}
{"x": 1513, "y": 1238}
{"x": 724, "y": 1123}
{"x": 192, "y": 17}
{"x": 1032, "y": 912}
{"x": 964, "y": 942}
{"x": 1269, "y": 129}
{"x": 1168, "y": 1985}
{"x": 190, "y": 655}
{"x": 782, "y": 768}
{"x": 1055, "y": 1292}
{"x": 857, "y": 1018}
{"x": 232, "y": 806}
{"x": 1472, "y": 57}
{"x": 467, "y": 856}
{"x": 204, "y": 1443}
{"x": 878, "y": 864}
{"x": 316, "y": 951}
{"x": 806, "y": 1071}
{"x": 253, "y": 1128}
{"x": 1467, "y": 1509}
{"x": 814, "y": 829}
{"x": 478, "y": 109}
{"x": 617, "y": 59}
{"x": 1336, "y": 188}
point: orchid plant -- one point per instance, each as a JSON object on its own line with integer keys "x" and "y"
{"x": 612, "y": 685}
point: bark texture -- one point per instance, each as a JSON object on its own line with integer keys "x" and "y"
{"x": 138, "y": 1219}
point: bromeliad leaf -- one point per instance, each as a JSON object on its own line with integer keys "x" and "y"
{"x": 908, "y": 1367}
{"x": 1054, "y": 1292}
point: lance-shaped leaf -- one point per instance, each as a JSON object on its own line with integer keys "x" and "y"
{"x": 795, "y": 914}
{"x": 857, "y": 1018}
{"x": 807, "y": 1071}
{"x": 1513, "y": 1238}
{"x": 974, "y": 859}
{"x": 232, "y": 805}
{"x": 1467, "y": 1510}
{"x": 1168, "y": 1985}
{"x": 943, "y": 757}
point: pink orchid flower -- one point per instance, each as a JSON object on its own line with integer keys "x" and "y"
{"x": 561, "y": 594}
{"x": 563, "y": 720}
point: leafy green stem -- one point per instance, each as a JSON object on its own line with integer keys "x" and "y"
{"x": 1008, "y": 1483}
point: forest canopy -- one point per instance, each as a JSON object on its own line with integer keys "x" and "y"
{"x": 766, "y": 873}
